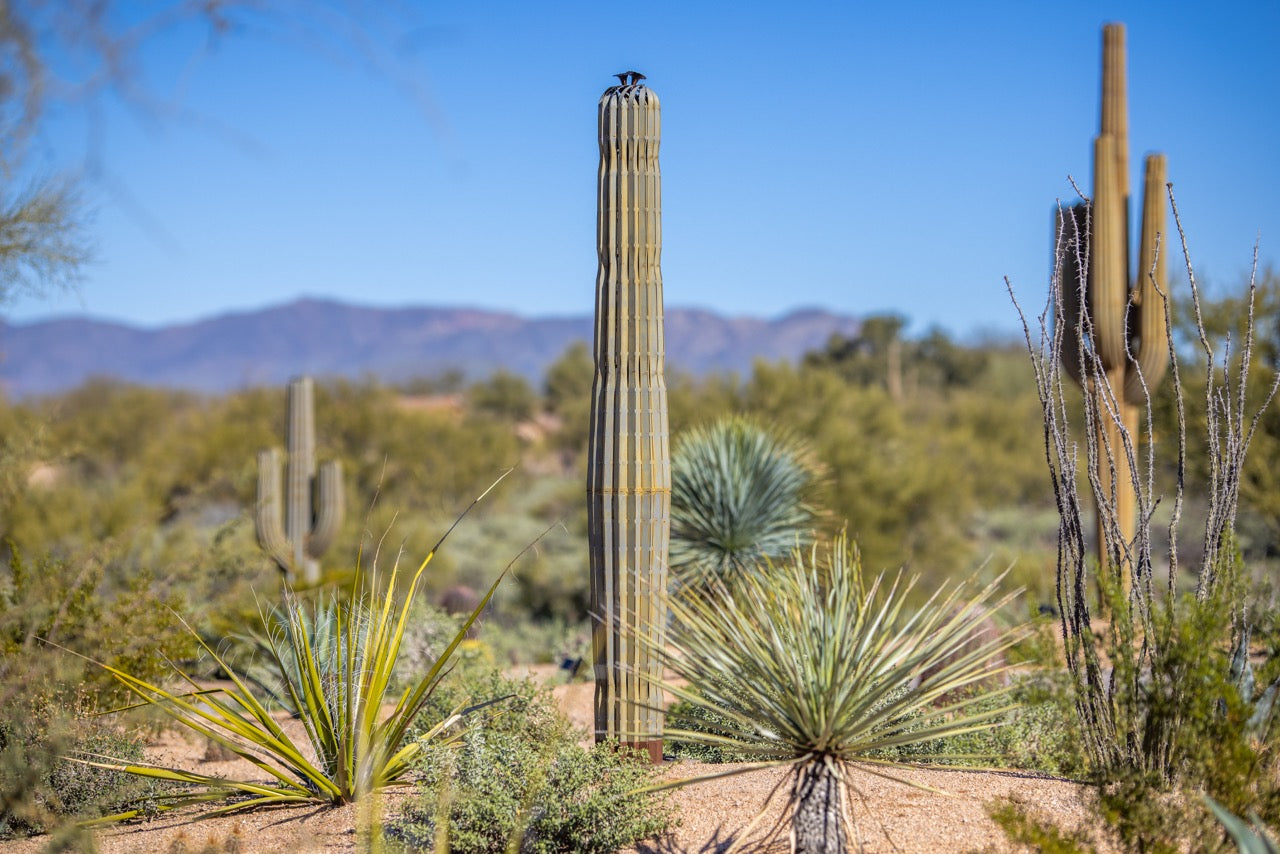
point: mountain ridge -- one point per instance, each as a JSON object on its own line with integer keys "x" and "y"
{"x": 331, "y": 338}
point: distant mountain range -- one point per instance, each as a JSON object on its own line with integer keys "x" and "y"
{"x": 324, "y": 338}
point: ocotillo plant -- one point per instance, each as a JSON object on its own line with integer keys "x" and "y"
{"x": 296, "y": 527}
{"x": 628, "y": 466}
{"x": 1113, "y": 333}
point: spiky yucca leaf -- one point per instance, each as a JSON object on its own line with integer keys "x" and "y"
{"x": 804, "y": 663}
{"x": 737, "y": 497}
{"x": 336, "y": 665}
{"x": 1250, "y": 838}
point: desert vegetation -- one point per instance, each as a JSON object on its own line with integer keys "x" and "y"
{"x": 125, "y": 508}
{"x": 903, "y": 550}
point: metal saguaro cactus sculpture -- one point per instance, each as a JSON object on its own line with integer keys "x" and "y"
{"x": 296, "y": 525}
{"x": 1111, "y": 328}
{"x": 629, "y": 464}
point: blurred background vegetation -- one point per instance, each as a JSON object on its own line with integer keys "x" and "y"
{"x": 930, "y": 452}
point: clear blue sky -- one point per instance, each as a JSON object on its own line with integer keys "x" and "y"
{"x": 862, "y": 157}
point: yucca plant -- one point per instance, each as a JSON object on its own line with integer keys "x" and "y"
{"x": 1251, "y": 838}
{"x": 804, "y": 664}
{"x": 737, "y": 497}
{"x": 335, "y": 664}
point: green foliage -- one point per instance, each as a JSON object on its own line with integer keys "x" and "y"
{"x": 335, "y": 665}
{"x": 878, "y": 355}
{"x": 503, "y": 395}
{"x": 1249, "y": 838}
{"x": 567, "y": 393}
{"x": 43, "y": 242}
{"x": 1023, "y": 825}
{"x": 806, "y": 664}
{"x": 53, "y": 603}
{"x": 737, "y": 498}
{"x": 1189, "y": 731}
{"x": 42, "y": 793}
{"x": 892, "y": 473}
{"x": 518, "y": 778}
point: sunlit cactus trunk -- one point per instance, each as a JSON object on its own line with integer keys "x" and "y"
{"x": 628, "y": 467}
{"x": 297, "y": 525}
{"x": 1121, "y": 325}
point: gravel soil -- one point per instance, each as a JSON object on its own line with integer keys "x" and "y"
{"x": 889, "y": 816}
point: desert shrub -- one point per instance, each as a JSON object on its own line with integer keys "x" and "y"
{"x": 518, "y": 777}
{"x": 704, "y": 720}
{"x": 892, "y": 476}
{"x": 40, "y": 791}
{"x": 1165, "y": 713}
{"x": 1198, "y": 731}
{"x": 1027, "y": 826}
{"x": 503, "y": 395}
{"x": 54, "y": 603}
{"x": 1197, "y": 728}
{"x": 427, "y": 634}
{"x": 567, "y": 395}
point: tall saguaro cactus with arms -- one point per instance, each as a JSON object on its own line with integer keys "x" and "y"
{"x": 296, "y": 525}
{"x": 1114, "y": 336}
{"x": 629, "y": 467}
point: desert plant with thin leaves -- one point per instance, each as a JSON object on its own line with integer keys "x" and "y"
{"x": 336, "y": 680}
{"x": 737, "y": 497}
{"x": 807, "y": 665}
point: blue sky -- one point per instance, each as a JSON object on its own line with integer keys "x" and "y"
{"x": 861, "y": 157}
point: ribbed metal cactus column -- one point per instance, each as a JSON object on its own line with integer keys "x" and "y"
{"x": 1125, "y": 323}
{"x": 311, "y": 505}
{"x": 629, "y": 464}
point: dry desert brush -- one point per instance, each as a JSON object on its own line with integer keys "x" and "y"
{"x": 1152, "y": 667}
{"x": 337, "y": 668}
{"x": 806, "y": 664}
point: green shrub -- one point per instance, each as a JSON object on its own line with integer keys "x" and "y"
{"x": 1198, "y": 740}
{"x": 519, "y": 775}
{"x": 55, "y": 603}
{"x": 41, "y": 792}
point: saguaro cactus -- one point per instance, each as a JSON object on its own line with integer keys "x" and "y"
{"x": 1125, "y": 339}
{"x": 297, "y": 526}
{"x": 629, "y": 466}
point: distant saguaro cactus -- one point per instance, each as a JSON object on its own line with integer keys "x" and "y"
{"x": 296, "y": 525}
{"x": 1115, "y": 341}
{"x": 628, "y": 465}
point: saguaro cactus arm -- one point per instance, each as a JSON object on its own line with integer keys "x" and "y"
{"x": 328, "y": 509}
{"x": 1148, "y": 332}
{"x": 270, "y": 522}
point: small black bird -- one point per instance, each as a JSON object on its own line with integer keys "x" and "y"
{"x": 629, "y": 78}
